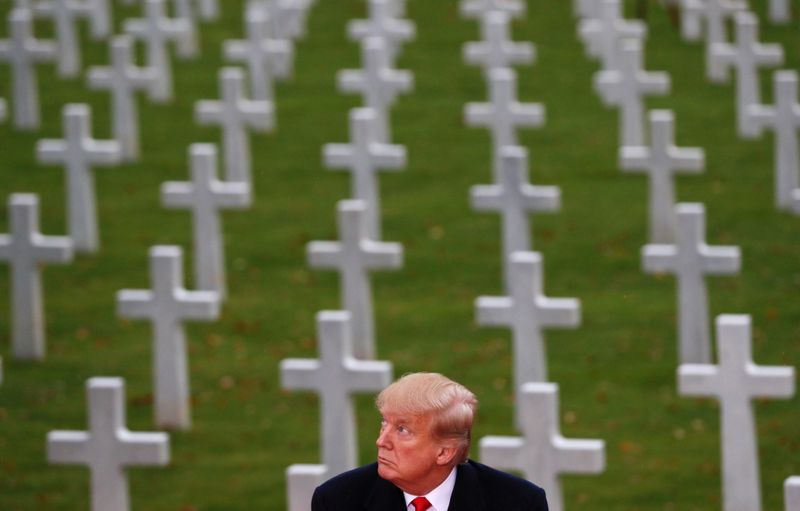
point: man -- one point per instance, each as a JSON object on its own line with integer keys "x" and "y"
{"x": 422, "y": 458}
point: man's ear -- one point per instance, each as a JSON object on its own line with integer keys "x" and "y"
{"x": 447, "y": 453}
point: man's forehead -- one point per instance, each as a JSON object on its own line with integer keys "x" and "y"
{"x": 402, "y": 418}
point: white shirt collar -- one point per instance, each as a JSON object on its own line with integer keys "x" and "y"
{"x": 439, "y": 497}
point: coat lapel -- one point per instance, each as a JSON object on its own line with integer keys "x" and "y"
{"x": 467, "y": 494}
{"x": 384, "y": 497}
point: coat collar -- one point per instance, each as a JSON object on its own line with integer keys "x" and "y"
{"x": 467, "y": 494}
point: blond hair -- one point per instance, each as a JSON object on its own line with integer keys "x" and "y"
{"x": 450, "y": 405}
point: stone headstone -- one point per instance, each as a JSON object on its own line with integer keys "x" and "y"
{"x": 287, "y": 17}
{"x": 235, "y": 113}
{"x": 783, "y": 118}
{"x": 660, "y": 161}
{"x": 716, "y": 15}
{"x": 527, "y": 312}
{"x": 122, "y": 79}
{"x": 26, "y": 250}
{"x": 205, "y": 195}
{"x": 267, "y": 59}
{"x": 156, "y": 30}
{"x": 542, "y": 454}
{"x": 384, "y": 24}
{"x": 364, "y": 157}
{"x": 735, "y": 382}
{"x": 780, "y": 12}
{"x": 64, "y": 14}
{"x": 22, "y": 52}
{"x": 479, "y": 8}
{"x": 354, "y": 256}
{"x": 626, "y": 87}
{"x": 746, "y": 56}
{"x": 301, "y": 481}
{"x": 503, "y": 114}
{"x": 167, "y": 305}
{"x": 791, "y": 493}
{"x": 108, "y": 448}
{"x": 602, "y": 36}
{"x": 78, "y": 152}
{"x": 496, "y": 49}
{"x": 335, "y": 377}
{"x": 515, "y": 199}
{"x": 378, "y": 84}
{"x": 690, "y": 259}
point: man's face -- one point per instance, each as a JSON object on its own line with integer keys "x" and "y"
{"x": 408, "y": 455}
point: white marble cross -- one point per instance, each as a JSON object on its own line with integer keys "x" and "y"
{"x": 735, "y": 382}
{"x": 603, "y": 35}
{"x": 780, "y": 11}
{"x": 287, "y": 17}
{"x": 208, "y": 9}
{"x": 64, "y": 14}
{"x": 690, "y": 259}
{"x": 584, "y": 9}
{"x": 301, "y": 481}
{"x": 335, "y": 377}
{"x": 542, "y": 454}
{"x": 503, "y": 113}
{"x": 267, "y": 58}
{"x": 515, "y": 199}
{"x": 527, "y": 312}
{"x": 626, "y": 88}
{"x": 156, "y": 30}
{"x": 479, "y": 8}
{"x": 691, "y": 15}
{"x": 716, "y": 14}
{"x": 205, "y": 195}
{"x": 234, "y": 113}
{"x": 791, "y": 493}
{"x": 108, "y": 448}
{"x": 22, "y": 51}
{"x": 496, "y": 49}
{"x": 378, "y": 84}
{"x": 746, "y": 56}
{"x": 101, "y": 19}
{"x": 26, "y": 249}
{"x": 660, "y": 161}
{"x": 78, "y": 152}
{"x": 122, "y": 79}
{"x": 382, "y": 23}
{"x": 166, "y": 305}
{"x": 783, "y": 117}
{"x": 364, "y": 157}
{"x": 354, "y": 256}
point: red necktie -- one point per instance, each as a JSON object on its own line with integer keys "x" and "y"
{"x": 420, "y": 504}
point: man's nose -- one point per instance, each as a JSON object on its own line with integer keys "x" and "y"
{"x": 383, "y": 438}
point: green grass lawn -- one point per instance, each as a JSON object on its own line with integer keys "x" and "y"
{"x": 616, "y": 372}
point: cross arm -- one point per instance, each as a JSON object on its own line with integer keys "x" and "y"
{"x": 478, "y": 114}
{"x": 388, "y": 156}
{"x": 698, "y": 380}
{"x": 208, "y": 111}
{"x": 299, "y": 374}
{"x": 725, "y": 56}
{"x": 486, "y": 197}
{"x": 580, "y": 456}
{"x": 771, "y": 381}
{"x": 659, "y": 258}
{"x": 760, "y": 117}
{"x": 541, "y": 198}
{"x": 494, "y": 310}
{"x": 233, "y": 194}
{"x": 379, "y": 254}
{"x": 351, "y": 80}
{"x": 198, "y": 305}
{"x": 53, "y": 249}
{"x": 104, "y": 152}
{"x": 634, "y": 158}
{"x": 655, "y": 82}
{"x": 501, "y": 451}
{"x": 607, "y": 84}
{"x": 338, "y": 156}
{"x": 721, "y": 260}
{"x": 368, "y": 375}
{"x": 176, "y": 194}
{"x": 259, "y": 114}
{"x": 5, "y": 247}
{"x": 281, "y": 54}
{"x": 51, "y": 151}
{"x": 324, "y": 254}
{"x": 143, "y": 449}
{"x": 68, "y": 447}
{"x": 394, "y": 29}
{"x": 529, "y": 114}
{"x": 134, "y": 303}
{"x": 692, "y": 159}
{"x": 559, "y": 312}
